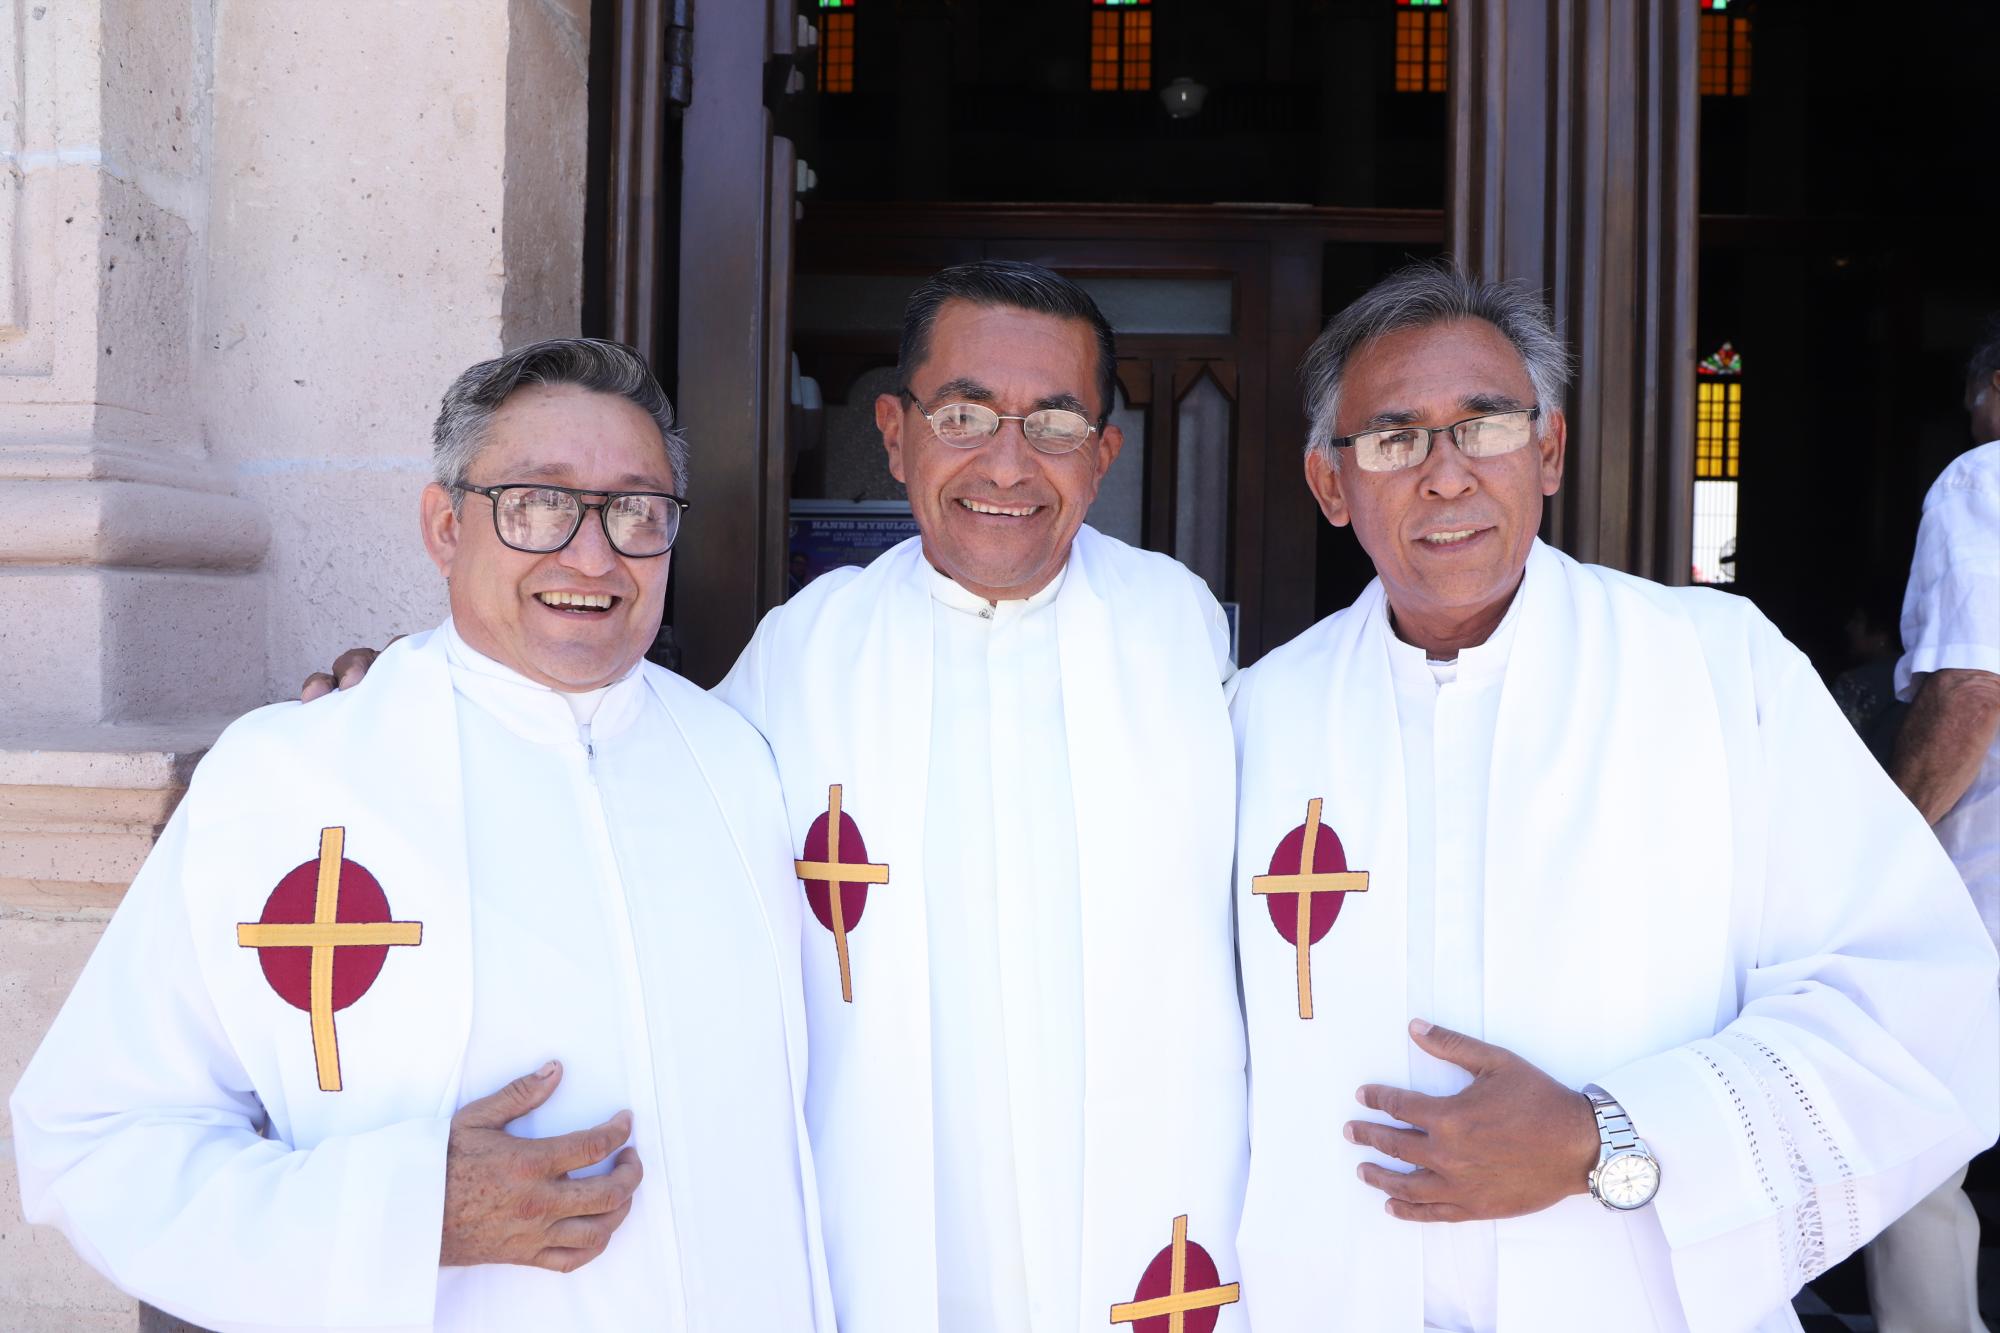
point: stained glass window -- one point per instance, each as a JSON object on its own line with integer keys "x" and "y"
{"x": 836, "y": 45}
{"x": 1724, "y": 360}
{"x": 1718, "y": 438}
{"x": 1121, "y": 45}
{"x": 1725, "y": 49}
{"x": 1423, "y": 46}
{"x": 1718, "y": 429}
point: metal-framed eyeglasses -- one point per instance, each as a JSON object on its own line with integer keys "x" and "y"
{"x": 1394, "y": 448}
{"x": 539, "y": 519}
{"x": 1051, "y": 430}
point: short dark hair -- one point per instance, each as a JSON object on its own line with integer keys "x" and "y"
{"x": 596, "y": 364}
{"x": 1014, "y": 284}
{"x": 1984, "y": 361}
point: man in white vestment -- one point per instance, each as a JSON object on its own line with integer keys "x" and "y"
{"x": 1005, "y": 752}
{"x": 1596, "y": 977}
{"x": 1923, "y": 1270}
{"x": 519, "y": 859}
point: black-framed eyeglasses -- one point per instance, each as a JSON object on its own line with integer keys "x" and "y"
{"x": 1051, "y": 430}
{"x": 1394, "y": 448}
{"x": 539, "y": 519}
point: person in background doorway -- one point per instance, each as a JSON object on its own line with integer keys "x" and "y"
{"x": 1922, "y": 1271}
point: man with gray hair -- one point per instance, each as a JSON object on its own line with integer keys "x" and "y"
{"x": 1657, "y": 999}
{"x": 519, "y": 858}
{"x": 1923, "y": 1271}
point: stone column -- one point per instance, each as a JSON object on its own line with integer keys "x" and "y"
{"x": 126, "y": 567}
{"x": 243, "y": 248}
{"x": 131, "y": 615}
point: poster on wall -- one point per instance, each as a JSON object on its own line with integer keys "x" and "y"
{"x": 826, "y": 534}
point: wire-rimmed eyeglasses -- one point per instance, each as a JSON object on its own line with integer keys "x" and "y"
{"x": 1394, "y": 448}
{"x": 539, "y": 519}
{"x": 1051, "y": 430}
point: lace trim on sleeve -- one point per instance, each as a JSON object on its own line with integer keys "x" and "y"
{"x": 1786, "y": 1263}
{"x": 1830, "y": 1147}
{"x": 1771, "y": 1103}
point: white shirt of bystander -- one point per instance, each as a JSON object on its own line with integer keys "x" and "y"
{"x": 1951, "y": 620}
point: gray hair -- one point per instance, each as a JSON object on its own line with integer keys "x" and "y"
{"x": 587, "y": 363}
{"x": 1013, "y": 284}
{"x": 1418, "y": 296}
{"x": 1985, "y": 360}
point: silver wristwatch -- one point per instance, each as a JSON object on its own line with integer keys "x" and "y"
{"x": 1627, "y": 1175}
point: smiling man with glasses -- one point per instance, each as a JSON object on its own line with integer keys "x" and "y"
{"x": 518, "y": 858}
{"x": 1005, "y": 751}
{"x": 1596, "y": 976}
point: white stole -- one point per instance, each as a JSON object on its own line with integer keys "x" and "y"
{"x": 847, "y": 701}
{"x": 1607, "y": 895}
{"x": 381, "y": 764}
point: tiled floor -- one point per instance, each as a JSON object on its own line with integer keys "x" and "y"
{"x": 1838, "y": 1301}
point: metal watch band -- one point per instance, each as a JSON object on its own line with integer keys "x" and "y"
{"x": 1614, "y": 1127}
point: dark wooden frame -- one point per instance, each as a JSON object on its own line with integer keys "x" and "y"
{"x": 1573, "y": 129}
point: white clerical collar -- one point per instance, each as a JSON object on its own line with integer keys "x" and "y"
{"x": 533, "y": 710}
{"x": 1477, "y": 665}
{"x": 945, "y": 591}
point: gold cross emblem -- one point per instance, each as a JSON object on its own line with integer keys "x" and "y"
{"x": 1304, "y": 883}
{"x": 1177, "y": 1302}
{"x": 835, "y": 873}
{"x": 326, "y": 934}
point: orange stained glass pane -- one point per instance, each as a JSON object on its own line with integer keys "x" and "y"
{"x": 1121, "y": 50}
{"x": 1138, "y": 50}
{"x": 1725, "y": 55}
{"x": 836, "y": 52}
{"x": 1423, "y": 50}
{"x": 1409, "y": 53}
{"x": 1104, "y": 51}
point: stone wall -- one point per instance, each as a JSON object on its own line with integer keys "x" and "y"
{"x": 243, "y": 247}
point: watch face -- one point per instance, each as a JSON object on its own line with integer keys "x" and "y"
{"x": 1629, "y": 1180}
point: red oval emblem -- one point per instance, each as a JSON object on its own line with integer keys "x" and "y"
{"x": 1180, "y": 1292}
{"x": 321, "y": 941}
{"x": 1329, "y": 858}
{"x": 355, "y": 966}
{"x": 853, "y": 851}
{"x": 835, "y": 854}
{"x": 1307, "y": 883}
